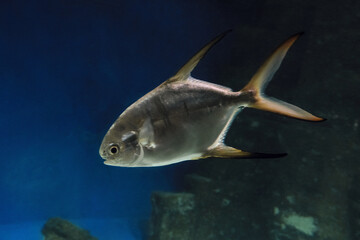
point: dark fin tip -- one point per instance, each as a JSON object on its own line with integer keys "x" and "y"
{"x": 222, "y": 35}
{"x": 265, "y": 155}
{"x": 270, "y": 155}
{"x": 299, "y": 34}
{"x": 322, "y": 120}
{"x": 312, "y": 121}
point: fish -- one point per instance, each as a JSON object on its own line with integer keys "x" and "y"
{"x": 185, "y": 118}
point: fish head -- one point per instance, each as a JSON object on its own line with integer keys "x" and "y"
{"x": 122, "y": 149}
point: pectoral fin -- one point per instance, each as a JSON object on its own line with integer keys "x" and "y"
{"x": 146, "y": 134}
{"x": 223, "y": 151}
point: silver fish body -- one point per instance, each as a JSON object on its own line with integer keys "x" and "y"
{"x": 179, "y": 122}
{"x": 187, "y": 119}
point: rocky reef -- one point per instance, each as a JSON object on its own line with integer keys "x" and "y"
{"x": 61, "y": 229}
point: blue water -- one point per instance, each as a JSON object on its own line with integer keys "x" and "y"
{"x": 68, "y": 69}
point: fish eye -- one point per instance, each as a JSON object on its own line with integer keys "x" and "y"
{"x": 114, "y": 150}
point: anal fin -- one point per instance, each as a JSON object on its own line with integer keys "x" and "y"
{"x": 223, "y": 151}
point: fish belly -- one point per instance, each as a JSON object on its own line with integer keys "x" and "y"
{"x": 187, "y": 137}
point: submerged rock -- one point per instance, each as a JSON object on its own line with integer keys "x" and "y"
{"x": 213, "y": 209}
{"x": 61, "y": 229}
{"x": 173, "y": 216}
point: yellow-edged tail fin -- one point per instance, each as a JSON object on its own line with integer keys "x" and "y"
{"x": 262, "y": 77}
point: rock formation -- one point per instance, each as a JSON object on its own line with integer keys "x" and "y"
{"x": 60, "y": 229}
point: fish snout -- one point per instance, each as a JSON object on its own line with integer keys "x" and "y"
{"x": 102, "y": 153}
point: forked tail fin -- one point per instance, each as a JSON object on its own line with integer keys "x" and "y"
{"x": 262, "y": 77}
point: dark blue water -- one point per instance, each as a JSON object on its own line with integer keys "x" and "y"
{"x": 68, "y": 69}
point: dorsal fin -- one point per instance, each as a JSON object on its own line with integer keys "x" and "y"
{"x": 185, "y": 71}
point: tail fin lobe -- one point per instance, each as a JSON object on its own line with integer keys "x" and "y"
{"x": 280, "y": 107}
{"x": 260, "y": 80}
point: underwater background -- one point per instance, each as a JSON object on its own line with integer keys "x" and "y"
{"x": 68, "y": 68}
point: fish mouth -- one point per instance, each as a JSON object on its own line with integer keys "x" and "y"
{"x": 109, "y": 162}
{"x": 102, "y": 153}
{"x": 116, "y": 163}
